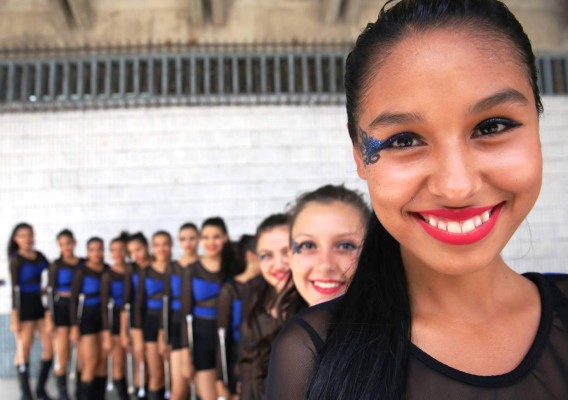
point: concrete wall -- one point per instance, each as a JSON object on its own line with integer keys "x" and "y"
{"x": 40, "y": 22}
{"x": 99, "y": 172}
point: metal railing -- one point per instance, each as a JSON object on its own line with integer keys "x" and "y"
{"x": 215, "y": 74}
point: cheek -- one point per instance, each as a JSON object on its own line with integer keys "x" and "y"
{"x": 300, "y": 267}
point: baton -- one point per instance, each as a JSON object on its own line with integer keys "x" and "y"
{"x": 51, "y": 306}
{"x": 110, "y": 307}
{"x": 142, "y": 389}
{"x": 21, "y": 363}
{"x": 189, "y": 320}
{"x": 221, "y": 333}
{"x": 74, "y": 364}
{"x": 165, "y": 321}
{"x": 129, "y": 365}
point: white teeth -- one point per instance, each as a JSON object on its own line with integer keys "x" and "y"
{"x": 326, "y": 285}
{"x": 468, "y": 226}
{"x": 454, "y": 227}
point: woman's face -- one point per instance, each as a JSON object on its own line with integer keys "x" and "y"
{"x": 66, "y": 246}
{"x": 212, "y": 239}
{"x": 272, "y": 251}
{"x": 326, "y": 238}
{"x": 188, "y": 240}
{"x": 95, "y": 252}
{"x": 162, "y": 248}
{"x": 138, "y": 252}
{"x": 117, "y": 251}
{"x": 24, "y": 238}
{"x": 467, "y": 169}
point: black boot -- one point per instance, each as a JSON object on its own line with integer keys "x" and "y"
{"x": 100, "y": 387}
{"x": 44, "y": 369}
{"x": 156, "y": 395}
{"x": 24, "y": 380}
{"x": 86, "y": 390}
{"x": 121, "y": 391}
{"x": 62, "y": 387}
{"x": 78, "y": 386}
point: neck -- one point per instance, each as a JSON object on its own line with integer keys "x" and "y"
{"x": 119, "y": 267}
{"x": 69, "y": 259}
{"x": 250, "y": 272}
{"x": 473, "y": 297}
{"x": 188, "y": 258}
{"x": 26, "y": 252}
{"x": 211, "y": 263}
{"x": 95, "y": 265}
{"x": 160, "y": 265}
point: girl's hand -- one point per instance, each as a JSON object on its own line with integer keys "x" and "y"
{"x": 74, "y": 335}
{"x": 107, "y": 342}
{"x": 124, "y": 340}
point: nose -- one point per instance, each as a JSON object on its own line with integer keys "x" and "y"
{"x": 325, "y": 260}
{"x": 456, "y": 175}
{"x": 281, "y": 261}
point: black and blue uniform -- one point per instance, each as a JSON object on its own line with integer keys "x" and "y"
{"x": 60, "y": 280}
{"x": 176, "y": 274}
{"x": 131, "y": 280}
{"x": 149, "y": 302}
{"x": 200, "y": 295}
{"x": 26, "y": 273}
{"x": 230, "y": 315}
{"x": 87, "y": 282}
{"x": 112, "y": 289}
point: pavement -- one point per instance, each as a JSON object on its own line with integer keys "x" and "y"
{"x": 9, "y": 389}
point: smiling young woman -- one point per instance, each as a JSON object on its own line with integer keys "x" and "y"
{"x": 443, "y": 109}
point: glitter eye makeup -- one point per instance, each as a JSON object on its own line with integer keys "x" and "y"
{"x": 295, "y": 248}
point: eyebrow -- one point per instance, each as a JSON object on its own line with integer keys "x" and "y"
{"x": 389, "y": 118}
{"x": 508, "y": 95}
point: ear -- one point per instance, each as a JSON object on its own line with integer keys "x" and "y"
{"x": 361, "y": 169}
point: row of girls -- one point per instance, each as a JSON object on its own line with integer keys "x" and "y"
{"x": 197, "y": 327}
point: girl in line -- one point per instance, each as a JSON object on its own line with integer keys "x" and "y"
{"x": 327, "y": 230}
{"x": 179, "y": 352}
{"x": 61, "y": 274}
{"x": 260, "y": 304}
{"x": 200, "y": 294}
{"x": 443, "y": 111}
{"x": 230, "y": 316}
{"x": 112, "y": 295}
{"x": 28, "y": 313}
{"x": 133, "y": 340}
{"x": 86, "y": 321}
{"x": 149, "y": 299}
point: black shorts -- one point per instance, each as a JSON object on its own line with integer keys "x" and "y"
{"x": 31, "y": 307}
{"x": 91, "y": 320}
{"x": 133, "y": 324}
{"x": 175, "y": 332}
{"x": 151, "y": 325}
{"x": 116, "y": 320}
{"x": 62, "y": 312}
{"x": 205, "y": 344}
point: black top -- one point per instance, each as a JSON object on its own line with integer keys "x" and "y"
{"x": 543, "y": 373}
{"x": 61, "y": 275}
{"x": 88, "y": 282}
{"x": 26, "y": 273}
{"x": 149, "y": 294}
{"x": 258, "y": 331}
{"x": 112, "y": 287}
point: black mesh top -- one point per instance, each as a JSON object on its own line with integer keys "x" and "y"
{"x": 543, "y": 373}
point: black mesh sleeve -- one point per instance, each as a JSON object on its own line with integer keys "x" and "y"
{"x": 139, "y": 306}
{"x": 14, "y": 268}
{"x": 224, "y": 318}
{"x": 75, "y": 291}
{"x": 105, "y": 295}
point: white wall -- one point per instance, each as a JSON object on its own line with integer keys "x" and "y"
{"x": 99, "y": 172}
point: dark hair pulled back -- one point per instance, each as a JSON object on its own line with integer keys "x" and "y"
{"x": 12, "y": 245}
{"x": 229, "y": 265}
{"x": 366, "y": 351}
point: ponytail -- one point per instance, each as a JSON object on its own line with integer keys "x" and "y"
{"x": 366, "y": 351}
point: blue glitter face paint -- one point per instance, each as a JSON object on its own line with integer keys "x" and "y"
{"x": 295, "y": 248}
{"x": 369, "y": 147}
